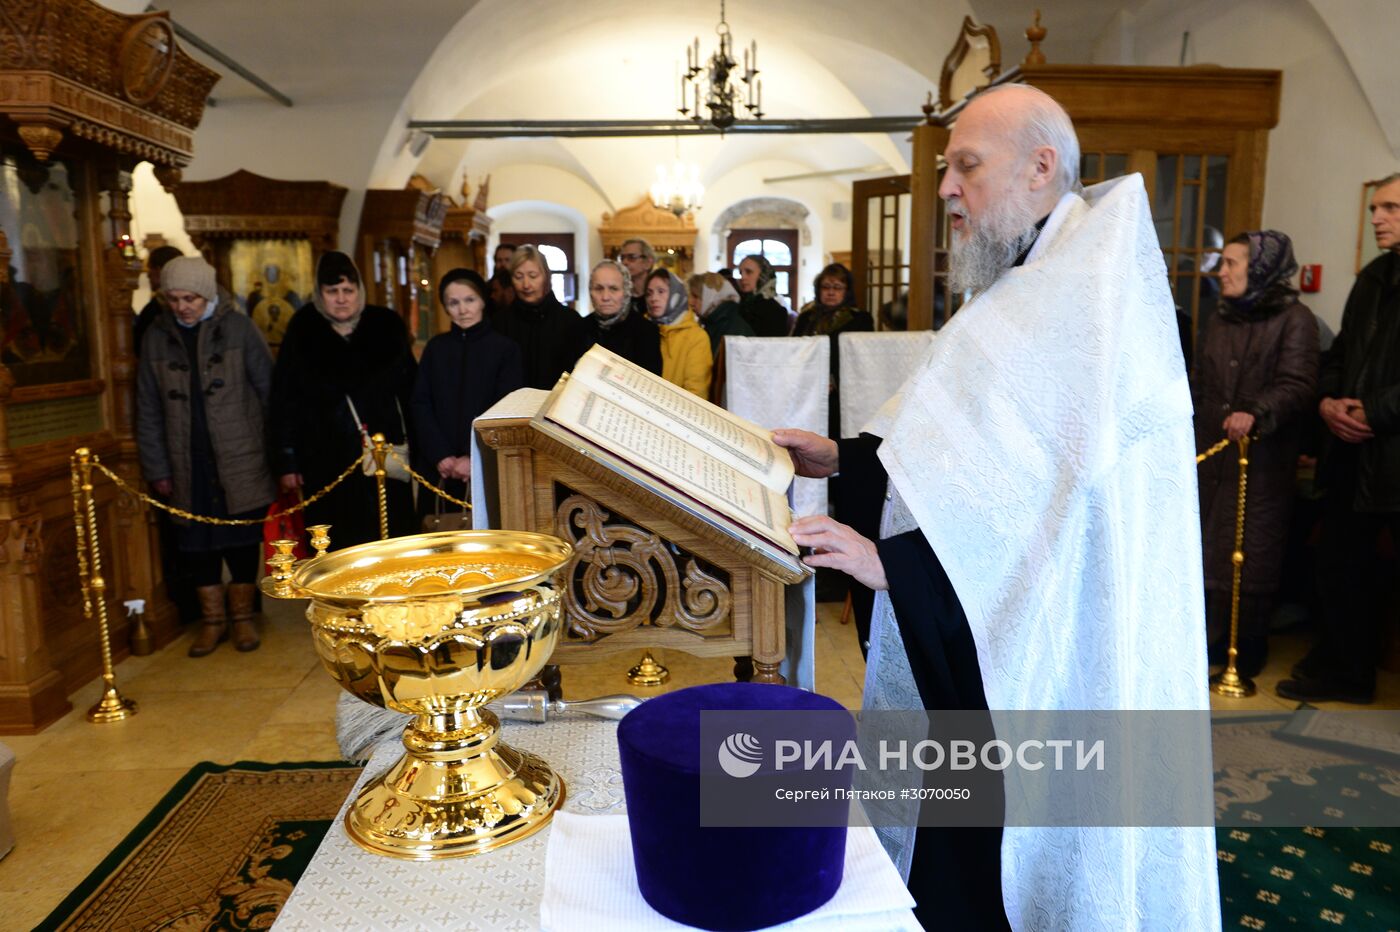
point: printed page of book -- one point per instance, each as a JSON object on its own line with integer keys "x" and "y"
{"x": 735, "y": 442}
{"x": 673, "y": 460}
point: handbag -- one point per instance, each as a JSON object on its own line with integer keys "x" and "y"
{"x": 442, "y": 520}
{"x": 280, "y": 525}
{"x": 395, "y": 467}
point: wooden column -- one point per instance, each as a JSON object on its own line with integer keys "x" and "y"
{"x": 924, "y": 217}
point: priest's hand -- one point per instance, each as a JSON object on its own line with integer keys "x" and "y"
{"x": 841, "y": 548}
{"x": 813, "y": 456}
{"x": 1341, "y": 417}
{"x": 1238, "y": 425}
{"x": 290, "y": 482}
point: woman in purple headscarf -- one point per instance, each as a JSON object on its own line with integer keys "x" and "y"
{"x": 1255, "y": 374}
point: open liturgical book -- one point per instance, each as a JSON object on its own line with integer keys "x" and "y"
{"x": 719, "y": 467}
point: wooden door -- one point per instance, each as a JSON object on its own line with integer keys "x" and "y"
{"x": 880, "y": 248}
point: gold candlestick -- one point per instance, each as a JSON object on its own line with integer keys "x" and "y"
{"x": 320, "y": 538}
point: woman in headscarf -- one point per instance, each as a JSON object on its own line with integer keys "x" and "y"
{"x": 551, "y": 336}
{"x": 462, "y": 373}
{"x": 345, "y": 371}
{"x": 685, "y": 350}
{"x": 201, "y": 395}
{"x": 613, "y": 323}
{"x": 715, "y": 303}
{"x": 758, "y": 284}
{"x": 1255, "y": 375}
{"x": 832, "y": 314}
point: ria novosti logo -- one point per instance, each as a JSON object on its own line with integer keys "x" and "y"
{"x": 740, "y": 755}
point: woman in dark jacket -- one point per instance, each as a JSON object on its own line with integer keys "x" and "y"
{"x": 551, "y": 337}
{"x": 1255, "y": 374}
{"x": 345, "y": 370}
{"x": 201, "y": 394}
{"x": 832, "y": 314}
{"x": 462, "y": 373}
{"x": 613, "y": 324}
{"x": 758, "y": 284}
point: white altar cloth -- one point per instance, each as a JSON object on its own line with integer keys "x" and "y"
{"x": 346, "y": 887}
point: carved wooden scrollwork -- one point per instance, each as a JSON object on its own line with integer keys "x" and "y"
{"x": 624, "y": 576}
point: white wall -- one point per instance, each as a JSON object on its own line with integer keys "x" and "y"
{"x": 1328, "y": 140}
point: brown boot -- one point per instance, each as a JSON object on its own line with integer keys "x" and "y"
{"x": 240, "y": 603}
{"x": 214, "y": 627}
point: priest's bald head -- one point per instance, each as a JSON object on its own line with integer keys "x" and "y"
{"x": 1012, "y": 154}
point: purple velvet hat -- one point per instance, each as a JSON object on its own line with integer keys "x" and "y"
{"x": 721, "y": 878}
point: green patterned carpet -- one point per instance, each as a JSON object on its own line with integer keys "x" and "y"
{"x": 222, "y": 850}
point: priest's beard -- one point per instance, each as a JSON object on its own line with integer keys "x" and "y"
{"x": 990, "y": 244}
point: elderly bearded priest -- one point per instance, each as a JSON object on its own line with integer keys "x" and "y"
{"x": 1039, "y": 546}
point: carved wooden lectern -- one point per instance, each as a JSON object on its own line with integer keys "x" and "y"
{"x": 646, "y": 572}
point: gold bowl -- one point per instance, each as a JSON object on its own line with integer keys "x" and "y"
{"x": 438, "y": 625}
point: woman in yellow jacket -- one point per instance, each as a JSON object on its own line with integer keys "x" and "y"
{"x": 685, "y": 349}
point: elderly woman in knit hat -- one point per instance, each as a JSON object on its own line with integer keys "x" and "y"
{"x": 345, "y": 371}
{"x": 202, "y": 390}
{"x": 1255, "y": 374}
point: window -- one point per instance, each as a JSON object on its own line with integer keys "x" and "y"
{"x": 779, "y": 247}
{"x": 558, "y": 251}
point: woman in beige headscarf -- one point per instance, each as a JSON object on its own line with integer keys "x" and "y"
{"x": 685, "y": 351}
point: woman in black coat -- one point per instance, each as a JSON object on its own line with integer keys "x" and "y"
{"x": 339, "y": 355}
{"x": 1255, "y": 374}
{"x": 758, "y": 285}
{"x": 462, "y": 373}
{"x": 612, "y": 323}
{"x": 551, "y": 337}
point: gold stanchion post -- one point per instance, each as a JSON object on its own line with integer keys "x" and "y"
{"x": 1228, "y": 682}
{"x": 113, "y": 706}
{"x": 381, "y": 452}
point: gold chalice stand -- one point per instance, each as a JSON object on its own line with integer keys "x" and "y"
{"x": 438, "y": 625}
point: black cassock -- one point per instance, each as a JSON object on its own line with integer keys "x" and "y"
{"x": 955, "y": 876}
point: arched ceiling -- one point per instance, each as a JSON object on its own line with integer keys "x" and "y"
{"x": 601, "y": 60}
{"x": 360, "y": 69}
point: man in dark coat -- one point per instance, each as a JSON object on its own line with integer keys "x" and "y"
{"x": 1359, "y": 472}
{"x": 638, "y": 258}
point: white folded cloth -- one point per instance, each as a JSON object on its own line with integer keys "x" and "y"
{"x": 590, "y": 883}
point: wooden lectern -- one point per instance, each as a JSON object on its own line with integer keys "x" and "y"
{"x": 647, "y": 572}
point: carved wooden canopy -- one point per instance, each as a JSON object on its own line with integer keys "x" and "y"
{"x": 468, "y": 220}
{"x": 408, "y": 215}
{"x": 644, "y": 220}
{"x": 246, "y": 205}
{"x": 75, "y": 68}
{"x": 977, "y": 51}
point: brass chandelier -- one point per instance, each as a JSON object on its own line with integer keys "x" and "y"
{"x": 708, "y": 83}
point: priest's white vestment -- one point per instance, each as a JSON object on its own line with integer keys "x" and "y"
{"x": 1045, "y": 450}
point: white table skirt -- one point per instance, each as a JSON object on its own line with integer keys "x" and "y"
{"x": 346, "y": 887}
